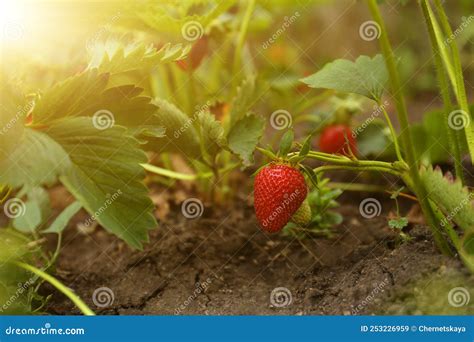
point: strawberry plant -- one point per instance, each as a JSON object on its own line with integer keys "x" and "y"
{"x": 170, "y": 100}
{"x": 367, "y": 76}
{"x": 91, "y": 132}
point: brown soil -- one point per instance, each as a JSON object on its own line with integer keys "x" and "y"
{"x": 221, "y": 263}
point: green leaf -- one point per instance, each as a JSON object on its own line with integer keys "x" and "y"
{"x": 245, "y": 99}
{"x": 306, "y": 146}
{"x": 286, "y": 142}
{"x": 63, "y": 219}
{"x": 181, "y": 135}
{"x": 268, "y": 153}
{"x": 13, "y": 110}
{"x": 366, "y": 76}
{"x": 453, "y": 199}
{"x": 37, "y": 211}
{"x": 455, "y": 202}
{"x": 113, "y": 57}
{"x": 106, "y": 177}
{"x": 30, "y": 220}
{"x": 89, "y": 94}
{"x": 398, "y": 223}
{"x": 244, "y": 136}
{"x": 13, "y": 245}
{"x": 311, "y": 175}
{"x": 212, "y": 133}
{"x": 36, "y": 160}
{"x": 172, "y": 18}
{"x": 332, "y": 218}
{"x": 75, "y": 96}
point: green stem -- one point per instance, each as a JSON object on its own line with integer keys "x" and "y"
{"x": 405, "y": 135}
{"x": 57, "y": 250}
{"x": 460, "y": 89}
{"x": 191, "y": 91}
{"x": 345, "y": 161}
{"x": 443, "y": 49}
{"x": 357, "y": 187}
{"x": 59, "y": 286}
{"x": 215, "y": 179}
{"x": 355, "y": 168}
{"x": 240, "y": 44}
{"x": 444, "y": 89}
{"x": 392, "y": 132}
{"x": 185, "y": 176}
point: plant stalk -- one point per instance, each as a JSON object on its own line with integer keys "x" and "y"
{"x": 240, "y": 44}
{"x": 345, "y": 161}
{"x": 59, "y": 286}
{"x": 444, "y": 89}
{"x": 185, "y": 176}
{"x": 393, "y": 133}
{"x": 460, "y": 89}
{"x": 405, "y": 135}
{"x": 356, "y": 168}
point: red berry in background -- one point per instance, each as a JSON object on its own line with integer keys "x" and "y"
{"x": 279, "y": 190}
{"x": 337, "y": 139}
{"x": 195, "y": 56}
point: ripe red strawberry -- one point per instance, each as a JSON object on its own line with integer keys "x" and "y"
{"x": 279, "y": 190}
{"x": 333, "y": 140}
